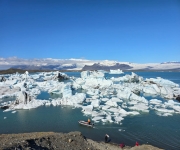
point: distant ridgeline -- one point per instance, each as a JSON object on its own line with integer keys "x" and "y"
{"x": 171, "y": 62}
{"x": 44, "y": 67}
{"x": 166, "y": 66}
{"x": 98, "y": 66}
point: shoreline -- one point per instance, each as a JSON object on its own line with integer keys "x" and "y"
{"x": 65, "y": 141}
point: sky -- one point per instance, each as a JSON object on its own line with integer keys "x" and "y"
{"x": 139, "y": 31}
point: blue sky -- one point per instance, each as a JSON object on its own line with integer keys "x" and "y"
{"x": 138, "y": 31}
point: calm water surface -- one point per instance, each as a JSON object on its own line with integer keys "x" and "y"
{"x": 147, "y": 128}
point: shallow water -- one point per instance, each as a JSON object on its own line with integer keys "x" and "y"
{"x": 147, "y": 128}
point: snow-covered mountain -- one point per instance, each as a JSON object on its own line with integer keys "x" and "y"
{"x": 82, "y": 64}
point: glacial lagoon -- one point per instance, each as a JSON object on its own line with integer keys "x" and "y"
{"x": 146, "y": 128}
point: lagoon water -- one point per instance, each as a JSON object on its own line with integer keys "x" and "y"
{"x": 147, "y": 128}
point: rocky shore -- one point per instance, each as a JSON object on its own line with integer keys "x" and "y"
{"x": 60, "y": 141}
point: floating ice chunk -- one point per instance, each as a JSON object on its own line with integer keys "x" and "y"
{"x": 156, "y": 88}
{"x": 78, "y": 98}
{"x": 106, "y": 107}
{"x": 167, "y": 92}
{"x": 35, "y": 91}
{"x": 172, "y": 102}
{"x": 95, "y": 113}
{"x": 133, "y": 113}
{"x": 97, "y": 118}
{"x": 124, "y": 113}
{"x": 118, "y": 119}
{"x": 132, "y": 102}
{"x": 5, "y": 117}
{"x": 135, "y": 77}
{"x": 76, "y": 86}
{"x": 87, "y": 109}
{"x": 96, "y": 83}
{"x": 174, "y": 105}
{"x": 140, "y": 107}
{"x": 150, "y": 89}
{"x": 55, "y": 102}
{"x": 118, "y": 71}
{"x": 92, "y": 74}
{"x": 115, "y": 110}
{"x": 124, "y": 93}
{"x": 79, "y": 81}
{"x": 36, "y": 76}
{"x": 120, "y": 130}
{"x": 30, "y": 105}
{"x": 104, "y": 99}
{"x": 163, "y": 114}
{"x": 78, "y": 105}
{"x": 128, "y": 78}
{"x": 108, "y": 118}
{"x": 176, "y": 108}
{"x": 105, "y": 83}
{"x": 107, "y": 93}
{"x": 95, "y": 96}
{"x": 111, "y": 103}
{"x": 13, "y": 112}
{"x": 164, "y": 110}
{"x": 9, "y": 109}
{"x": 92, "y": 91}
{"x": 162, "y": 82}
{"x": 54, "y": 87}
{"x": 95, "y": 103}
{"x": 138, "y": 98}
{"x": 155, "y": 101}
{"x": 8, "y": 91}
{"x": 66, "y": 91}
{"x": 48, "y": 103}
{"x": 55, "y": 75}
{"x": 115, "y": 99}
{"x": 125, "y": 78}
{"x": 11, "y": 82}
{"x": 176, "y": 91}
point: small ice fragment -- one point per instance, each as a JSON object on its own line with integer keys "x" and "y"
{"x": 5, "y": 117}
{"x": 13, "y": 112}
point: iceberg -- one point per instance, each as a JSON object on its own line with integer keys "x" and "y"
{"x": 162, "y": 82}
{"x": 95, "y": 103}
{"x": 118, "y": 71}
{"x": 140, "y": 107}
{"x": 155, "y": 102}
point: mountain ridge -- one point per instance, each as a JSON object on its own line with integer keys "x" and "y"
{"x": 83, "y": 64}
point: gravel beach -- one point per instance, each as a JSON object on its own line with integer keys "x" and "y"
{"x": 60, "y": 141}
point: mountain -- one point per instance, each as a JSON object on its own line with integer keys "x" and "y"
{"x": 83, "y": 64}
{"x": 99, "y": 66}
{"x": 44, "y": 67}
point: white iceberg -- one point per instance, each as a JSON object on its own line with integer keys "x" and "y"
{"x": 118, "y": 71}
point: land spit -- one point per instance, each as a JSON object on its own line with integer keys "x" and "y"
{"x": 59, "y": 141}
